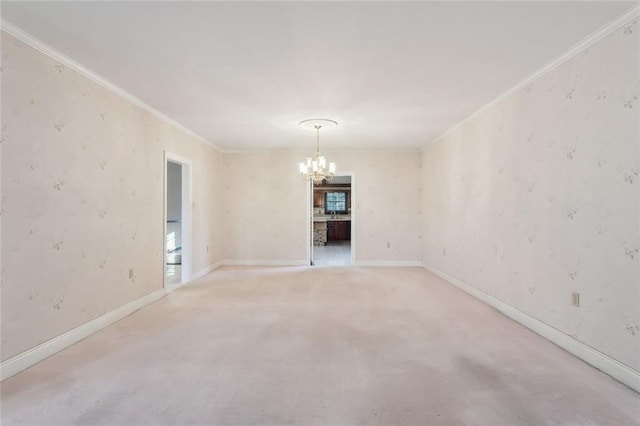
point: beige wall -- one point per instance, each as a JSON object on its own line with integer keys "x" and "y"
{"x": 265, "y": 208}
{"x": 386, "y": 198}
{"x": 82, "y": 198}
{"x": 82, "y": 201}
{"x": 530, "y": 200}
{"x": 538, "y": 196}
{"x": 267, "y": 214}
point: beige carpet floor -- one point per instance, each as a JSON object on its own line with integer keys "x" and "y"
{"x": 343, "y": 345}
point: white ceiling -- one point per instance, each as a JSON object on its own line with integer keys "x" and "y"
{"x": 395, "y": 75}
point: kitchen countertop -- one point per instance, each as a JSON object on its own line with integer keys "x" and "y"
{"x": 325, "y": 218}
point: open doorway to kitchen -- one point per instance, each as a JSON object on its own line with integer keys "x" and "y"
{"x": 177, "y": 214}
{"x": 333, "y": 221}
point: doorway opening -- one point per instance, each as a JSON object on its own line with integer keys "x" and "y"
{"x": 333, "y": 221}
{"x": 177, "y": 219}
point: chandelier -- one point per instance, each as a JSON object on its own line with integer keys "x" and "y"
{"x": 317, "y": 168}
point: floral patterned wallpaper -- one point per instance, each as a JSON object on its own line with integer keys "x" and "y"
{"x": 266, "y": 211}
{"x": 530, "y": 200}
{"x": 386, "y": 201}
{"x": 538, "y": 196}
{"x": 82, "y": 198}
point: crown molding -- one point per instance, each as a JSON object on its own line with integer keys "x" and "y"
{"x": 54, "y": 54}
{"x": 587, "y": 42}
{"x": 331, "y": 151}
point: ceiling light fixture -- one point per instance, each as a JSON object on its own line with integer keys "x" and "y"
{"x": 317, "y": 168}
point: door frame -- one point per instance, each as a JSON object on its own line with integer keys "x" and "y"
{"x": 354, "y": 208}
{"x": 187, "y": 216}
{"x": 310, "y": 222}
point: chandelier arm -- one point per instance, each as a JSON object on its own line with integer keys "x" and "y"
{"x": 317, "y": 168}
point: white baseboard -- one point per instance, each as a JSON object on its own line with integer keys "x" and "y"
{"x": 265, "y": 262}
{"x": 44, "y": 350}
{"x": 242, "y": 262}
{"x": 201, "y": 273}
{"x": 276, "y": 262}
{"x": 599, "y": 360}
{"x": 388, "y": 263}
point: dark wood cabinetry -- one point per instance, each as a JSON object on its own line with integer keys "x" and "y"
{"x": 318, "y": 199}
{"x": 338, "y": 230}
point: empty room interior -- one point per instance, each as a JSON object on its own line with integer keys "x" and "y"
{"x": 346, "y": 213}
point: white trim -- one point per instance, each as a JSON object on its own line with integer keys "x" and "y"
{"x": 201, "y": 273}
{"x": 388, "y": 263}
{"x": 353, "y": 241}
{"x": 253, "y": 150}
{"x": 169, "y": 288}
{"x": 277, "y": 262}
{"x": 599, "y": 360}
{"x": 310, "y": 235}
{"x": 587, "y": 42}
{"x": 44, "y": 48}
{"x": 187, "y": 216}
{"x": 194, "y": 277}
{"x": 265, "y": 262}
{"x": 354, "y": 216}
{"x": 44, "y": 350}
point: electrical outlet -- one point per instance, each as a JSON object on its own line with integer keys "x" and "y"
{"x": 575, "y": 299}
{"x": 388, "y": 245}
{"x": 207, "y": 248}
{"x": 130, "y": 273}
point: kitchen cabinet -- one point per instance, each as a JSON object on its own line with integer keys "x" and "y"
{"x": 318, "y": 199}
{"x": 338, "y": 230}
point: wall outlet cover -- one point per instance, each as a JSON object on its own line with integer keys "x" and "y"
{"x": 575, "y": 299}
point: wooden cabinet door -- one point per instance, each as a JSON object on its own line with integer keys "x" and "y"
{"x": 331, "y": 231}
{"x": 338, "y": 230}
{"x": 317, "y": 199}
{"x": 341, "y": 233}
